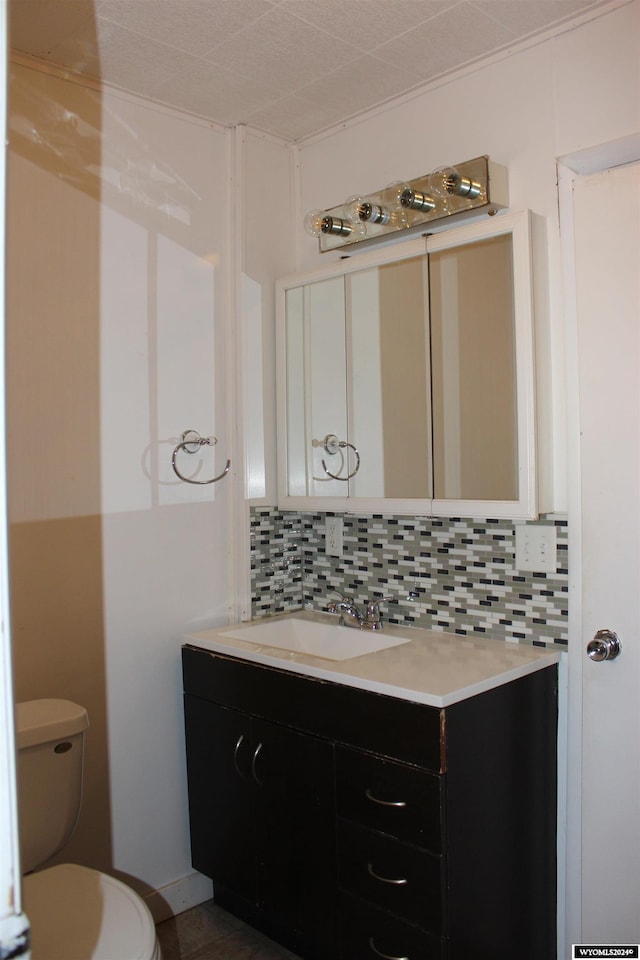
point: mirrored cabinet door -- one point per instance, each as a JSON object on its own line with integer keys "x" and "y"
{"x": 473, "y": 362}
{"x": 316, "y": 390}
{"x": 482, "y": 370}
{"x": 389, "y": 391}
{"x": 356, "y": 394}
{"x": 405, "y": 378}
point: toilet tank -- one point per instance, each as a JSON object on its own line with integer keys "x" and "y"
{"x": 50, "y": 738}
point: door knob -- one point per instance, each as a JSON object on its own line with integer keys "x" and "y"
{"x": 604, "y": 646}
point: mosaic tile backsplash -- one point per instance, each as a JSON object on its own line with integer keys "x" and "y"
{"x": 456, "y": 575}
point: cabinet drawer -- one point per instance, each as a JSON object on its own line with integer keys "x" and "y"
{"x": 392, "y": 875}
{"x": 391, "y": 797}
{"x": 367, "y": 933}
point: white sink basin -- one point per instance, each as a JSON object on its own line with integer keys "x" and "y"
{"x": 326, "y": 640}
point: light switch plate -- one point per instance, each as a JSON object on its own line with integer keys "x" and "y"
{"x": 333, "y": 528}
{"x": 536, "y": 548}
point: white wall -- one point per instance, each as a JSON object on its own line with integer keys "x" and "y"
{"x": 561, "y": 95}
{"x": 164, "y": 291}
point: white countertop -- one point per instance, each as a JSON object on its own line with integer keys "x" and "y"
{"x": 434, "y": 668}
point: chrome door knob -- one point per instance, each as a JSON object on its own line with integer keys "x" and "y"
{"x": 604, "y": 646}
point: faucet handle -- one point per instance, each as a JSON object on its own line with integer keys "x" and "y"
{"x": 342, "y": 598}
{"x": 373, "y": 620}
{"x": 372, "y": 605}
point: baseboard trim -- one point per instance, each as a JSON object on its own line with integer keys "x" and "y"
{"x": 181, "y": 895}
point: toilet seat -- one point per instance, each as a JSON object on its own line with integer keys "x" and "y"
{"x": 80, "y": 914}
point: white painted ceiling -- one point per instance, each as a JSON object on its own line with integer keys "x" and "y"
{"x": 288, "y": 67}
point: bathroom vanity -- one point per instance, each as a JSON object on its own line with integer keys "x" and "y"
{"x": 400, "y": 804}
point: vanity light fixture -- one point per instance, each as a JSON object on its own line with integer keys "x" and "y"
{"x": 476, "y": 186}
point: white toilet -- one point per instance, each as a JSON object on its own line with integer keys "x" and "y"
{"x": 75, "y": 913}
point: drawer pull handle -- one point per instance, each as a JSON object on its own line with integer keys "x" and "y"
{"x": 383, "y": 803}
{"x": 386, "y": 956}
{"x": 235, "y": 755}
{"x": 376, "y": 876}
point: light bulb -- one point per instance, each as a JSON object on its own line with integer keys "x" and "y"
{"x": 318, "y": 222}
{"x": 441, "y": 182}
{"x": 404, "y": 197}
{"x": 448, "y": 182}
{"x": 363, "y": 208}
{"x": 313, "y": 222}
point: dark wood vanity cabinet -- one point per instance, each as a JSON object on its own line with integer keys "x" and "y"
{"x": 349, "y": 825}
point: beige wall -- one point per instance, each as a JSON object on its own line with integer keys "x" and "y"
{"x": 58, "y": 644}
{"x": 53, "y": 422}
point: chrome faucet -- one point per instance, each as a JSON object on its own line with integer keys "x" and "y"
{"x": 352, "y": 616}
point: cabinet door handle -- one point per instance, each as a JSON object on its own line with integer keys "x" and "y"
{"x": 386, "y": 956}
{"x": 376, "y": 876}
{"x": 235, "y": 755}
{"x": 254, "y": 759}
{"x": 383, "y": 803}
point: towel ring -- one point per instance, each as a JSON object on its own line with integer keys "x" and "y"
{"x": 332, "y": 446}
{"x": 191, "y": 438}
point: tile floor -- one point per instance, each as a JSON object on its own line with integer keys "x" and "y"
{"x": 208, "y": 932}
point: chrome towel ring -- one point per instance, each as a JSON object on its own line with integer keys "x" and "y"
{"x": 190, "y": 443}
{"x": 332, "y": 446}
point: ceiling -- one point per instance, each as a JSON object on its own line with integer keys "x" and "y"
{"x": 288, "y": 67}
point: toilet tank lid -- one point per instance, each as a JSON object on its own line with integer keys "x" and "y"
{"x": 45, "y": 721}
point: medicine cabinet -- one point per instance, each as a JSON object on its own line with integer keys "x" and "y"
{"x": 406, "y": 380}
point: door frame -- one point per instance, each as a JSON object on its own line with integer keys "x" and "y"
{"x": 570, "y": 168}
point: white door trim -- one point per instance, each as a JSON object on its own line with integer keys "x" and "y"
{"x": 583, "y": 163}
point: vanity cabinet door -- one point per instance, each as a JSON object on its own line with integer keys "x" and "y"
{"x": 262, "y": 819}
{"x": 294, "y": 814}
{"x": 220, "y": 797}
